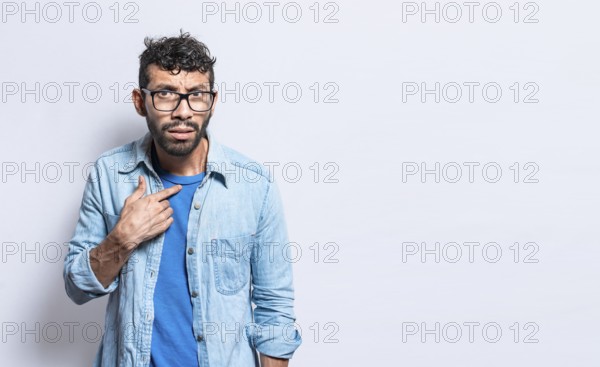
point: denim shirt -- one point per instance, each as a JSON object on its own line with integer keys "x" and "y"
{"x": 237, "y": 257}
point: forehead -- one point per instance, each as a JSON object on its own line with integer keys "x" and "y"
{"x": 183, "y": 80}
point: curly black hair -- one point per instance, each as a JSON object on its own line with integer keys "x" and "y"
{"x": 175, "y": 54}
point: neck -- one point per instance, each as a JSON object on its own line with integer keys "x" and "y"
{"x": 189, "y": 165}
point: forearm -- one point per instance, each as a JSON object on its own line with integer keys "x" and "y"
{"x": 267, "y": 361}
{"x": 107, "y": 259}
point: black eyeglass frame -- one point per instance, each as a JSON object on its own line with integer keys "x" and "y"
{"x": 181, "y": 96}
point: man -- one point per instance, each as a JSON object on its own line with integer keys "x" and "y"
{"x": 183, "y": 233}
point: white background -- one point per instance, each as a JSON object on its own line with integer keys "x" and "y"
{"x": 363, "y": 309}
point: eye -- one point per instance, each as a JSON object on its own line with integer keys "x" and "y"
{"x": 164, "y": 93}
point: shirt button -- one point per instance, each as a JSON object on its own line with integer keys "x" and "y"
{"x": 196, "y": 205}
{"x": 194, "y": 294}
{"x": 190, "y": 251}
{"x": 199, "y": 338}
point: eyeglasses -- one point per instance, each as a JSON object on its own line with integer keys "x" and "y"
{"x": 168, "y": 100}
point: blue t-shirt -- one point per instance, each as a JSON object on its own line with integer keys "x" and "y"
{"x": 173, "y": 340}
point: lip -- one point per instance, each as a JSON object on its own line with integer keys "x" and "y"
{"x": 181, "y": 134}
{"x": 180, "y": 130}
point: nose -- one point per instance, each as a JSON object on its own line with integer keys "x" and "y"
{"x": 183, "y": 111}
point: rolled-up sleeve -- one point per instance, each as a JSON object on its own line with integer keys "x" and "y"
{"x": 273, "y": 292}
{"x": 81, "y": 283}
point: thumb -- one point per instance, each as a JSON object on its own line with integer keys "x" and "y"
{"x": 140, "y": 190}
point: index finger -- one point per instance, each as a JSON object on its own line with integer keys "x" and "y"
{"x": 163, "y": 194}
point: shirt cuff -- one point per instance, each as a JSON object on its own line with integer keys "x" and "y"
{"x": 280, "y": 341}
{"x": 84, "y": 278}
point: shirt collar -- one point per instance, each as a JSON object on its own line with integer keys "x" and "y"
{"x": 217, "y": 160}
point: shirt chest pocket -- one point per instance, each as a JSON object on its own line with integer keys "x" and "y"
{"x": 231, "y": 262}
{"x": 110, "y": 220}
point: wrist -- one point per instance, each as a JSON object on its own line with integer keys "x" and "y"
{"x": 118, "y": 239}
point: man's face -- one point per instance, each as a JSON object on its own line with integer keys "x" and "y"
{"x": 180, "y": 131}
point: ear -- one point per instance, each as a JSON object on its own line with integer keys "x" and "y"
{"x": 138, "y": 102}
{"x": 212, "y": 109}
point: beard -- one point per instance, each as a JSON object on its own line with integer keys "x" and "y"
{"x": 178, "y": 148}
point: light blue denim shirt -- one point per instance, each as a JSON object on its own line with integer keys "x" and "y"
{"x": 238, "y": 256}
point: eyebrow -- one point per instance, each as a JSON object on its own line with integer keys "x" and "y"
{"x": 165, "y": 86}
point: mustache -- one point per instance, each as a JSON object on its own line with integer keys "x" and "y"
{"x": 186, "y": 123}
